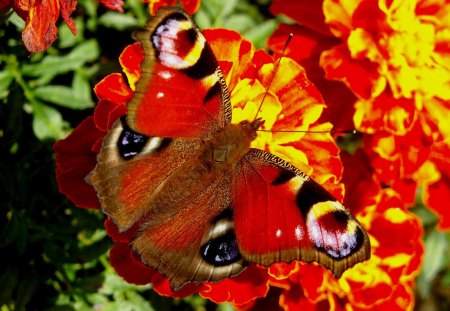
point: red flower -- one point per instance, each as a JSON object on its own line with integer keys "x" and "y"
{"x": 435, "y": 176}
{"x": 41, "y": 16}
{"x": 377, "y": 51}
{"x": 391, "y": 56}
{"x": 292, "y": 103}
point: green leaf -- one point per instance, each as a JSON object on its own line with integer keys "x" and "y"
{"x": 15, "y": 231}
{"x": 26, "y": 290}
{"x": 65, "y": 36}
{"x": 5, "y": 81}
{"x": 436, "y": 248}
{"x": 81, "y": 86}
{"x": 47, "y": 122}
{"x": 218, "y": 9}
{"x": 8, "y": 281}
{"x": 17, "y": 21}
{"x": 52, "y": 65}
{"x": 239, "y": 22}
{"x": 260, "y": 34}
{"x": 225, "y": 307}
{"x": 64, "y": 96}
{"x": 118, "y": 21}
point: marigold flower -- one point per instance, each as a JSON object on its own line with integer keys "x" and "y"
{"x": 393, "y": 56}
{"x": 348, "y": 43}
{"x": 41, "y": 16}
{"x": 292, "y": 103}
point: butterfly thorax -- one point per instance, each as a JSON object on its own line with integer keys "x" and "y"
{"x": 225, "y": 149}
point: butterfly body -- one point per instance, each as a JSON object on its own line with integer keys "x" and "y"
{"x": 202, "y": 202}
{"x": 214, "y": 159}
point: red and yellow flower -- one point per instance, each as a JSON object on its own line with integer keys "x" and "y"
{"x": 384, "y": 66}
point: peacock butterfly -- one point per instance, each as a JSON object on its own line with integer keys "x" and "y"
{"x": 205, "y": 202}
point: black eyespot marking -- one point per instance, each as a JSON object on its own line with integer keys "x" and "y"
{"x": 205, "y": 66}
{"x": 284, "y": 176}
{"x": 341, "y": 217}
{"x": 221, "y": 251}
{"x": 175, "y": 16}
{"x": 215, "y": 90}
{"x": 226, "y": 214}
{"x": 359, "y": 239}
{"x": 190, "y": 35}
{"x": 130, "y": 143}
{"x": 309, "y": 194}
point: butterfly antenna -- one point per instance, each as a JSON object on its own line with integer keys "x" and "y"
{"x": 288, "y": 40}
{"x": 314, "y": 132}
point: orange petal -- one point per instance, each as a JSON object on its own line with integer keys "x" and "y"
{"x": 40, "y": 29}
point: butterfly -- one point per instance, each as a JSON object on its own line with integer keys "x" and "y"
{"x": 206, "y": 204}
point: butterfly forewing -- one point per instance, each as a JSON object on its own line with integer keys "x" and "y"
{"x": 292, "y": 217}
{"x": 130, "y": 168}
{"x": 181, "y": 92}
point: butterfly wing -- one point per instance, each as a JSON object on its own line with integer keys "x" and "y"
{"x": 195, "y": 244}
{"x": 282, "y": 215}
{"x": 181, "y": 92}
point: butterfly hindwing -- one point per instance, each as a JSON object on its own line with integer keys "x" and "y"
{"x": 194, "y": 244}
{"x": 283, "y": 215}
{"x": 181, "y": 92}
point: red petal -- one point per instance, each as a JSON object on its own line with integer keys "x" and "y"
{"x": 269, "y": 303}
{"x": 107, "y": 112}
{"x": 67, "y": 7}
{"x": 119, "y": 237}
{"x": 122, "y": 259}
{"x": 130, "y": 60}
{"x": 362, "y": 188}
{"x": 230, "y": 46}
{"x": 161, "y": 285}
{"x": 306, "y": 47}
{"x": 114, "y": 88}
{"x": 190, "y": 6}
{"x": 358, "y": 75}
{"x": 407, "y": 189}
{"x": 40, "y": 29}
{"x": 74, "y": 160}
{"x": 4, "y": 4}
{"x": 437, "y": 198}
{"x": 156, "y": 4}
{"x": 115, "y": 5}
{"x": 308, "y": 13}
{"x": 247, "y": 286}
